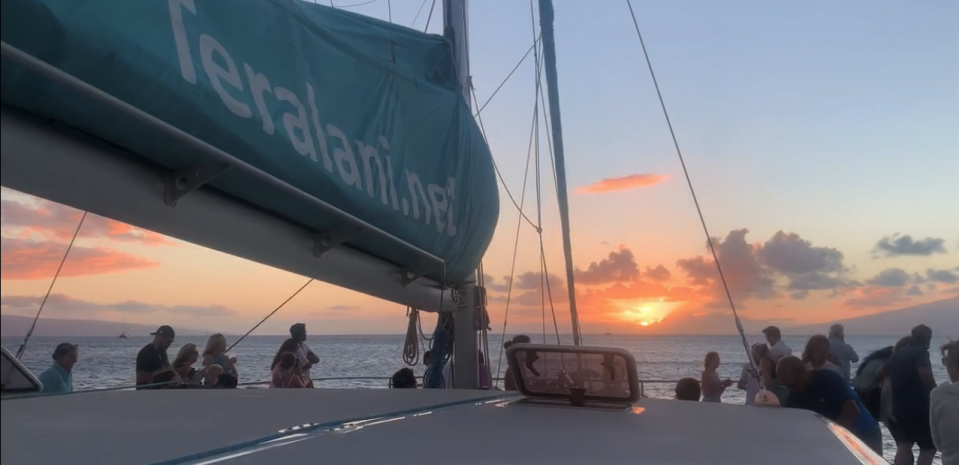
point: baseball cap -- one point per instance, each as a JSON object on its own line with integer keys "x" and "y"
{"x": 63, "y": 349}
{"x": 165, "y": 331}
{"x": 772, "y": 331}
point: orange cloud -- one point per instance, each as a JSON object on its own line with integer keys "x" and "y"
{"x": 33, "y": 218}
{"x": 616, "y": 291}
{"x": 624, "y": 183}
{"x": 25, "y": 260}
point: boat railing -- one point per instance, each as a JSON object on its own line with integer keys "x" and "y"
{"x": 384, "y": 380}
{"x": 254, "y": 384}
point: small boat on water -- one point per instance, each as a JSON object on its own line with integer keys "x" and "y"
{"x": 136, "y": 112}
{"x": 123, "y": 336}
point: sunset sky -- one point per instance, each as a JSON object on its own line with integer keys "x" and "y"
{"x": 822, "y": 139}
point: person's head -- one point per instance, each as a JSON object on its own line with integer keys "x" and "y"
{"x": 950, "y": 358}
{"x": 837, "y": 330}
{"x": 817, "y": 351}
{"x": 187, "y": 356}
{"x": 298, "y": 332}
{"x": 902, "y": 343}
{"x": 404, "y": 378}
{"x": 760, "y": 351}
{"x": 226, "y": 381}
{"x": 165, "y": 379}
{"x": 712, "y": 361}
{"x": 66, "y": 355}
{"x": 773, "y": 335}
{"x": 688, "y": 389}
{"x": 163, "y": 337}
{"x": 211, "y": 373}
{"x": 922, "y": 336}
{"x": 792, "y": 374}
{"x": 215, "y": 345}
{"x": 521, "y": 339}
{"x": 288, "y": 361}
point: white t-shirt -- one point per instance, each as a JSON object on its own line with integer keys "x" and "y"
{"x": 780, "y": 350}
{"x": 301, "y": 354}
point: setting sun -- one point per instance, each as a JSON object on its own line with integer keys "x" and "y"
{"x": 644, "y": 313}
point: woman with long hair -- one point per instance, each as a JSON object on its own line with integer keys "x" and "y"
{"x": 215, "y": 354}
{"x": 183, "y": 363}
{"x": 816, "y": 355}
{"x": 287, "y": 373}
{"x": 713, "y": 387}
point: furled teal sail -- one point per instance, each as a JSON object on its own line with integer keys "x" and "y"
{"x": 360, "y": 113}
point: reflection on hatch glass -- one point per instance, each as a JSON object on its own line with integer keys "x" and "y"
{"x": 593, "y": 373}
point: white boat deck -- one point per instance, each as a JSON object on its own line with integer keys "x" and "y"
{"x": 188, "y": 426}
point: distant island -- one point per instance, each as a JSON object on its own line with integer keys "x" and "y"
{"x": 17, "y": 326}
{"x": 941, "y": 315}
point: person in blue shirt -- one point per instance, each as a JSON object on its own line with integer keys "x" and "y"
{"x": 58, "y": 379}
{"x": 827, "y": 393}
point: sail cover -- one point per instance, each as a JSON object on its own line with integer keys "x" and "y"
{"x": 362, "y": 114}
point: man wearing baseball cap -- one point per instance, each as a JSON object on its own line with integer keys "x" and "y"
{"x": 59, "y": 377}
{"x": 777, "y": 347}
{"x": 152, "y": 357}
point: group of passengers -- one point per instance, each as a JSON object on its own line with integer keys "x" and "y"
{"x": 154, "y": 370}
{"x": 894, "y": 385}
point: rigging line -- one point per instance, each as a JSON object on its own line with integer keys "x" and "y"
{"x": 542, "y": 100}
{"x": 389, "y": 10}
{"x": 499, "y": 175}
{"x": 519, "y": 224}
{"x": 353, "y": 5}
{"x": 692, "y": 191}
{"x": 429, "y": 17}
{"x": 271, "y": 314}
{"x": 420, "y": 10}
{"x": 501, "y": 84}
{"x": 543, "y": 278}
{"x": 23, "y": 347}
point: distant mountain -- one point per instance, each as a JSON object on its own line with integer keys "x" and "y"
{"x": 17, "y": 326}
{"x": 941, "y": 315}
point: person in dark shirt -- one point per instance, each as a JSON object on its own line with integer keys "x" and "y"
{"x": 910, "y": 373}
{"x": 152, "y": 358}
{"x": 827, "y": 393}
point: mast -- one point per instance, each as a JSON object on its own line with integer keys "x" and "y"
{"x": 549, "y": 56}
{"x": 464, "y": 342}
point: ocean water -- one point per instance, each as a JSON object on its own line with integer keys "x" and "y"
{"x": 109, "y": 362}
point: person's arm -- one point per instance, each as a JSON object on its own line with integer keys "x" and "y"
{"x": 924, "y": 367}
{"x": 849, "y": 415}
{"x": 207, "y": 360}
{"x": 842, "y": 394}
{"x": 934, "y": 418}
{"x": 853, "y": 356}
{"x": 312, "y": 358}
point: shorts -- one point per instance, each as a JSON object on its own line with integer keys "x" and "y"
{"x": 913, "y": 431}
